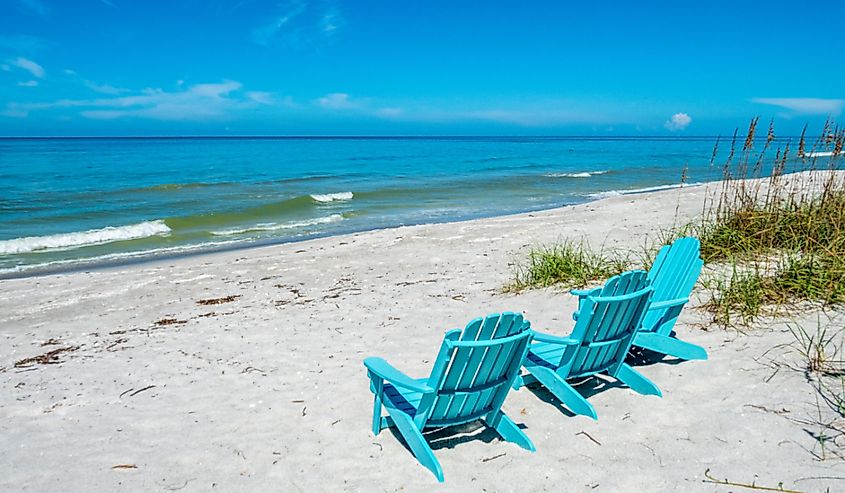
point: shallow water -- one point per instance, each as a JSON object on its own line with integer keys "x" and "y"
{"x": 66, "y": 201}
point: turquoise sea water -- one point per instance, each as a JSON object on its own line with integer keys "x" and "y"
{"x": 69, "y": 202}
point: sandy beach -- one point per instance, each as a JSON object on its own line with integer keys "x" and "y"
{"x": 261, "y": 388}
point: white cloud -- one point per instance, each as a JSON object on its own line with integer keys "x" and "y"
{"x": 68, "y": 71}
{"x": 197, "y": 102}
{"x": 301, "y": 24}
{"x": 805, "y": 106}
{"x": 390, "y": 112}
{"x": 331, "y": 21}
{"x": 337, "y": 101}
{"x": 29, "y": 83}
{"x": 679, "y": 121}
{"x": 28, "y": 65}
{"x": 550, "y": 114}
{"x": 260, "y": 97}
{"x": 266, "y": 34}
{"x": 104, "y": 88}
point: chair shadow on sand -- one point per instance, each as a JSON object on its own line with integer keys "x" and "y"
{"x": 451, "y": 436}
{"x": 587, "y": 387}
{"x": 638, "y": 356}
{"x": 590, "y": 386}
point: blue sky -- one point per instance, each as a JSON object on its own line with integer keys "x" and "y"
{"x": 393, "y": 67}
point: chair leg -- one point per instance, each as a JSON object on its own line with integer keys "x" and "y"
{"x": 418, "y": 444}
{"x": 636, "y": 381}
{"x": 670, "y": 346}
{"x": 563, "y": 391}
{"x": 377, "y": 388}
{"x": 508, "y": 430}
{"x": 523, "y": 380}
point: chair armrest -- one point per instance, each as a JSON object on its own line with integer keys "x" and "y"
{"x": 382, "y": 369}
{"x": 581, "y": 293}
{"x": 668, "y": 303}
{"x": 566, "y": 341}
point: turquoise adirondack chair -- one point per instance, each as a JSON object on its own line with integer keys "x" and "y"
{"x": 673, "y": 276}
{"x": 470, "y": 379}
{"x": 609, "y": 320}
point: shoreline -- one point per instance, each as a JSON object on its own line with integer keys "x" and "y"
{"x": 241, "y": 371}
{"x": 126, "y": 259}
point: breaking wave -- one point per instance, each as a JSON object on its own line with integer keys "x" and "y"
{"x": 279, "y": 226}
{"x": 583, "y": 174}
{"x": 63, "y": 241}
{"x": 332, "y": 197}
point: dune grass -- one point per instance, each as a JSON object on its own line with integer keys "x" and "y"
{"x": 779, "y": 241}
{"x": 772, "y": 241}
{"x": 567, "y": 265}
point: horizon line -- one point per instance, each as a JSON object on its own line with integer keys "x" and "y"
{"x": 387, "y": 136}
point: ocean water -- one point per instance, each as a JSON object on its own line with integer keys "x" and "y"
{"x": 68, "y": 203}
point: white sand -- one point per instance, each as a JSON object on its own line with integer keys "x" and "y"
{"x": 268, "y": 391}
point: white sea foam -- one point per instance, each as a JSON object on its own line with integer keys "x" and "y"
{"x": 583, "y": 174}
{"x": 332, "y": 197}
{"x": 66, "y": 241}
{"x": 111, "y": 257}
{"x": 278, "y": 226}
{"x": 615, "y": 193}
{"x": 820, "y": 154}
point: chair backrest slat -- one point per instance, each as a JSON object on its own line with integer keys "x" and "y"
{"x": 608, "y": 322}
{"x": 482, "y": 364}
{"x": 673, "y": 275}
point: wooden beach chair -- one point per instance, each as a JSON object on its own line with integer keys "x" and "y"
{"x": 673, "y": 276}
{"x": 470, "y": 379}
{"x": 607, "y": 324}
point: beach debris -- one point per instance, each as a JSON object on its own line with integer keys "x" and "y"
{"x": 175, "y": 487}
{"x": 169, "y": 321}
{"x": 488, "y": 459}
{"x": 582, "y": 432}
{"x": 124, "y": 466}
{"x": 410, "y": 283}
{"x": 298, "y": 297}
{"x": 219, "y": 301}
{"x": 751, "y": 486}
{"x": 780, "y": 411}
{"x": 116, "y": 343}
{"x": 335, "y": 422}
{"x": 135, "y": 392}
{"x": 215, "y": 314}
{"x": 51, "y": 342}
{"x": 344, "y": 285}
{"x": 251, "y": 369}
{"x": 48, "y": 358}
